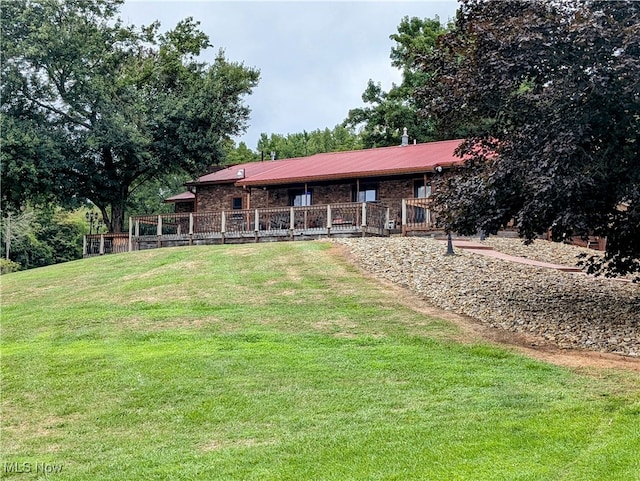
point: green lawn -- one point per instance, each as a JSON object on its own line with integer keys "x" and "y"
{"x": 280, "y": 361}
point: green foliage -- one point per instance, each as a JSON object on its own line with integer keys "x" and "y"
{"x": 387, "y": 113}
{"x": 149, "y": 197}
{"x": 43, "y": 236}
{"x": 240, "y": 154}
{"x": 551, "y": 88}
{"x": 279, "y": 361}
{"x": 308, "y": 143}
{"x": 6, "y": 266}
{"x": 93, "y": 108}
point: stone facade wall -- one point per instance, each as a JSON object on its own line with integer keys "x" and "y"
{"x": 258, "y": 198}
{"x": 183, "y": 207}
{"x": 220, "y": 197}
{"x": 333, "y": 193}
{"x": 390, "y": 192}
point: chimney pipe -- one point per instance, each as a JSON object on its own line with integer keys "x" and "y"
{"x": 405, "y": 137}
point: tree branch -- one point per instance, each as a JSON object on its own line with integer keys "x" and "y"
{"x": 58, "y": 111}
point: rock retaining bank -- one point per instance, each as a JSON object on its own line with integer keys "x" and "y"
{"x": 571, "y": 310}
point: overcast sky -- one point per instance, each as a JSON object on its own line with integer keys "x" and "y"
{"x": 315, "y": 58}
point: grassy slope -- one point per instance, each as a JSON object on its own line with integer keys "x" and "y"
{"x": 278, "y": 361}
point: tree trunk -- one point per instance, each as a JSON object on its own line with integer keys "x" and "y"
{"x": 7, "y": 235}
{"x": 117, "y": 216}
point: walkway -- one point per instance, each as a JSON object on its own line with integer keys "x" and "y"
{"x": 489, "y": 251}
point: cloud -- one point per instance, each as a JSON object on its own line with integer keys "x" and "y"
{"x": 315, "y": 58}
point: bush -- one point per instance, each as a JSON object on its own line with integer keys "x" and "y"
{"x": 7, "y": 266}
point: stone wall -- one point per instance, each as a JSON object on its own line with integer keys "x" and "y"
{"x": 390, "y": 192}
{"x": 183, "y": 207}
{"x": 220, "y": 197}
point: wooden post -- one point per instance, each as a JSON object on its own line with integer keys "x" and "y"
{"x": 256, "y": 226}
{"x": 137, "y": 231}
{"x": 364, "y": 218}
{"x": 159, "y": 231}
{"x": 404, "y": 217}
{"x": 84, "y": 246}
{"x": 190, "y": 228}
{"x": 223, "y": 225}
{"x": 101, "y": 244}
{"x": 292, "y": 217}
{"x": 387, "y": 219}
{"x": 130, "y": 234}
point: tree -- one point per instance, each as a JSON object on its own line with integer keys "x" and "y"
{"x": 39, "y": 236}
{"x": 386, "y": 114}
{"x": 93, "y": 108}
{"x": 239, "y": 154}
{"x": 551, "y": 89}
{"x": 306, "y": 143}
{"x": 148, "y": 198}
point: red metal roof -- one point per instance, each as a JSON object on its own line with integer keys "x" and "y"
{"x": 382, "y": 161}
{"x": 230, "y": 174}
{"x": 183, "y": 197}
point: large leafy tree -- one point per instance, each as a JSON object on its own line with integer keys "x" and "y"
{"x": 551, "y": 89}
{"x": 386, "y": 114}
{"x": 92, "y": 108}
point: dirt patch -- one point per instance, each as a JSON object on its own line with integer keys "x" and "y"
{"x": 472, "y": 331}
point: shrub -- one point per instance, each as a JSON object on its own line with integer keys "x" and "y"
{"x": 7, "y": 266}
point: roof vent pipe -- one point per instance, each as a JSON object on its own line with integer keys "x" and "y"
{"x": 405, "y": 137}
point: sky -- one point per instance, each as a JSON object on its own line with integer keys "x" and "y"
{"x": 315, "y": 57}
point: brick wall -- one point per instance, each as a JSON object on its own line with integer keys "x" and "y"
{"x": 390, "y": 192}
{"x": 219, "y": 197}
{"x": 322, "y": 194}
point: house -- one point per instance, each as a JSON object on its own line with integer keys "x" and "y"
{"x": 356, "y": 193}
{"x": 384, "y": 175}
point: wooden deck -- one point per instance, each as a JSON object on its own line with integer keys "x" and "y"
{"x": 246, "y": 225}
{"x": 351, "y": 219}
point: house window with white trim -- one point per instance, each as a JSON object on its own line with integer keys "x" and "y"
{"x": 300, "y": 197}
{"x": 367, "y": 193}
{"x": 421, "y": 190}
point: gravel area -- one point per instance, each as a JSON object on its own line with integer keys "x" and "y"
{"x": 571, "y": 310}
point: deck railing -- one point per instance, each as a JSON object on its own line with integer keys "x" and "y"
{"x": 99, "y": 244}
{"x": 417, "y": 215}
{"x": 276, "y": 222}
{"x": 273, "y": 223}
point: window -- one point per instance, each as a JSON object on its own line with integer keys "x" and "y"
{"x": 300, "y": 198}
{"x": 236, "y": 203}
{"x": 367, "y": 193}
{"x": 421, "y": 190}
